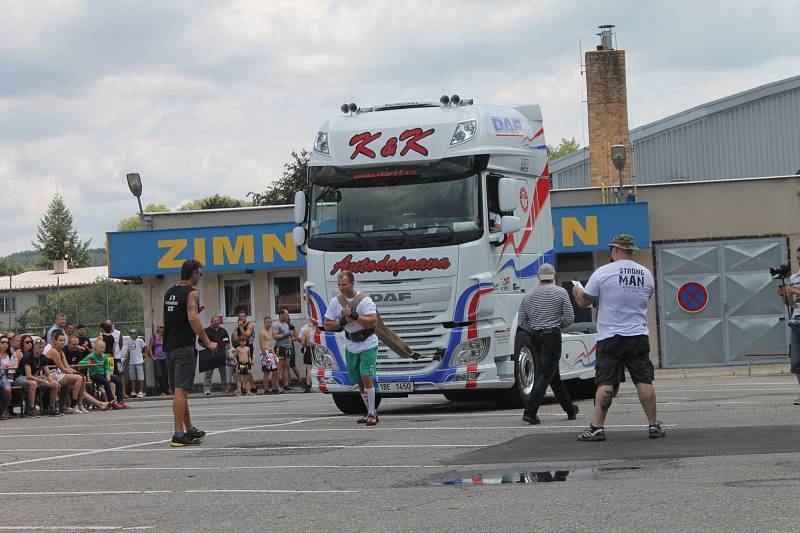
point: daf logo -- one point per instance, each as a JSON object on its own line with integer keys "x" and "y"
{"x": 387, "y": 297}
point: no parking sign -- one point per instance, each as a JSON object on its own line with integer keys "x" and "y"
{"x": 692, "y": 297}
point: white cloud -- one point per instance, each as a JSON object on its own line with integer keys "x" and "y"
{"x": 209, "y": 97}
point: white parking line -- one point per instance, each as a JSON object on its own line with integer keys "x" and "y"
{"x": 76, "y": 528}
{"x": 195, "y": 491}
{"x": 270, "y": 491}
{"x": 215, "y": 468}
{"x": 247, "y": 448}
{"x": 163, "y": 441}
{"x": 446, "y": 428}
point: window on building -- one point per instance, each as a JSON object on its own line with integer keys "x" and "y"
{"x": 287, "y": 293}
{"x": 8, "y": 304}
{"x": 237, "y": 297}
{"x": 41, "y": 299}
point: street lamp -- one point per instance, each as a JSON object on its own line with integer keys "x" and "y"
{"x": 135, "y": 185}
{"x": 618, "y": 158}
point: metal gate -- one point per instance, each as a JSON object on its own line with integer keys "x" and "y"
{"x": 717, "y": 302}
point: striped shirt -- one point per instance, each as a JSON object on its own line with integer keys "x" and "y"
{"x": 546, "y": 306}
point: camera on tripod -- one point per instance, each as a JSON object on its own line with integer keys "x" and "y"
{"x": 780, "y": 272}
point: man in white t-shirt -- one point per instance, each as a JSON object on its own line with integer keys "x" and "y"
{"x": 361, "y": 345}
{"x": 621, "y": 289}
{"x": 791, "y": 295}
{"x": 135, "y": 357}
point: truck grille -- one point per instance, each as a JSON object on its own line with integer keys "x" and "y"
{"x": 423, "y": 338}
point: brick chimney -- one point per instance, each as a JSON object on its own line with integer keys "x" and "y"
{"x": 60, "y": 266}
{"x": 607, "y": 96}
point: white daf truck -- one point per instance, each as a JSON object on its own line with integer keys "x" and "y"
{"x": 442, "y": 212}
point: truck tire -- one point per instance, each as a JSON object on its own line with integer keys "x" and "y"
{"x": 351, "y": 403}
{"x": 517, "y": 396}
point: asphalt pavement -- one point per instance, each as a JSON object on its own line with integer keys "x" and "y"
{"x": 294, "y": 463}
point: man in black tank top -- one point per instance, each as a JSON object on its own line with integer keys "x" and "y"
{"x": 181, "y": 325}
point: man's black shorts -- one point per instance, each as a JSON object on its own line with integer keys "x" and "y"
{"x": 308, "y": 353}
{"x": 181, "y": 364}
{"x": 617, "y": 352}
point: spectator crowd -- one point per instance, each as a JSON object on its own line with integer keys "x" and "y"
{"x": 67, "y": 372}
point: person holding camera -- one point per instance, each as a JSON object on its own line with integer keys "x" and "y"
{"x": 791, "y": 295}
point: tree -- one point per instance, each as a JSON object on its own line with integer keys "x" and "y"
{"x": 10, "y": 268}
{"x": 57, "y": 239}
{"x": 217, "y": 201}
{"x": 133, "y": 223}
{"x": 567, "y": 146}
{"x": 90, "y": 305}
{"x": 295, "y": 178}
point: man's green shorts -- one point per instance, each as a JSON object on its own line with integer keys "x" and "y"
{"x": 361, "y": 363}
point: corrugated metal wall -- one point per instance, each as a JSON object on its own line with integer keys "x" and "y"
{"x": 755, "y": 139}
{"x": 760, "y": 138}
{"x": 572, "y": 177}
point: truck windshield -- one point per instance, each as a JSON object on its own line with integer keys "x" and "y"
{"x": 389, "y": 213}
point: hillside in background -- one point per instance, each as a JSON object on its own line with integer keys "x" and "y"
{"x": 29, "y": 259}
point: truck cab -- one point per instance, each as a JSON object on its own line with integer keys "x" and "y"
{"x": 442, "y": 212}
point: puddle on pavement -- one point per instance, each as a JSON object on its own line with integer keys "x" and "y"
{"x": 527, "y": 477}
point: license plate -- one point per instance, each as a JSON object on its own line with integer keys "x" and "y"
{"x": 396, "y": 386}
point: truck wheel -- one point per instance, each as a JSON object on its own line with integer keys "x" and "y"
{"x": 351, "y": 403}
{"x": 517, "y": 396}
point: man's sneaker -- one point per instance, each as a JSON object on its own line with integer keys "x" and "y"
{"x": 656, "y": 431}
{"x": 573, "y": 413}
{"x": 31, "y": 413}
{"x": 288, "y": 387}
{"x": 253, "y": 391}
{"x": 52, "y": 411}
{"x": 179, "y": 441}
{"x": 372, "y": 420}
{"x": 592, "y": 433}
{"x": 530, "y": 418}
{"x": 797, "y": 400}
{"x": 196, "y": 433}
{"x": 277, "y": 391}
{"x": 207, "y": 393}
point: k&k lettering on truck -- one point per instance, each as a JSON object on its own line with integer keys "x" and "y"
{"x": 442, "y": 212}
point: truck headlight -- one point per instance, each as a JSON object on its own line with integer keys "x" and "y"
{"x": 323, "y": 358}
{"x": 464, "y": 131}
{"x": 470, "y": 352}
{"x": 321, "y": 142}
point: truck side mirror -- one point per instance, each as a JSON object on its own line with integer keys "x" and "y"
{"x": 509, "y": 224}
{"x": 299, "y": 235}
{"x": 299, "y": 207}
{"x": 507, "y": 194}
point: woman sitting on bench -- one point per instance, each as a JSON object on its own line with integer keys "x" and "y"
{"x": 31, "y": 375}
{"x": 70, "y": 380}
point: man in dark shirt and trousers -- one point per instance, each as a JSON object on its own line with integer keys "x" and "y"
{"x": 220, "y": 336}
{"x": 181, "y": 324}
{"x": 542, "y": 314}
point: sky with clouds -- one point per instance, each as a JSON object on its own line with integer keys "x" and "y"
{"x": 208, "y": 97}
